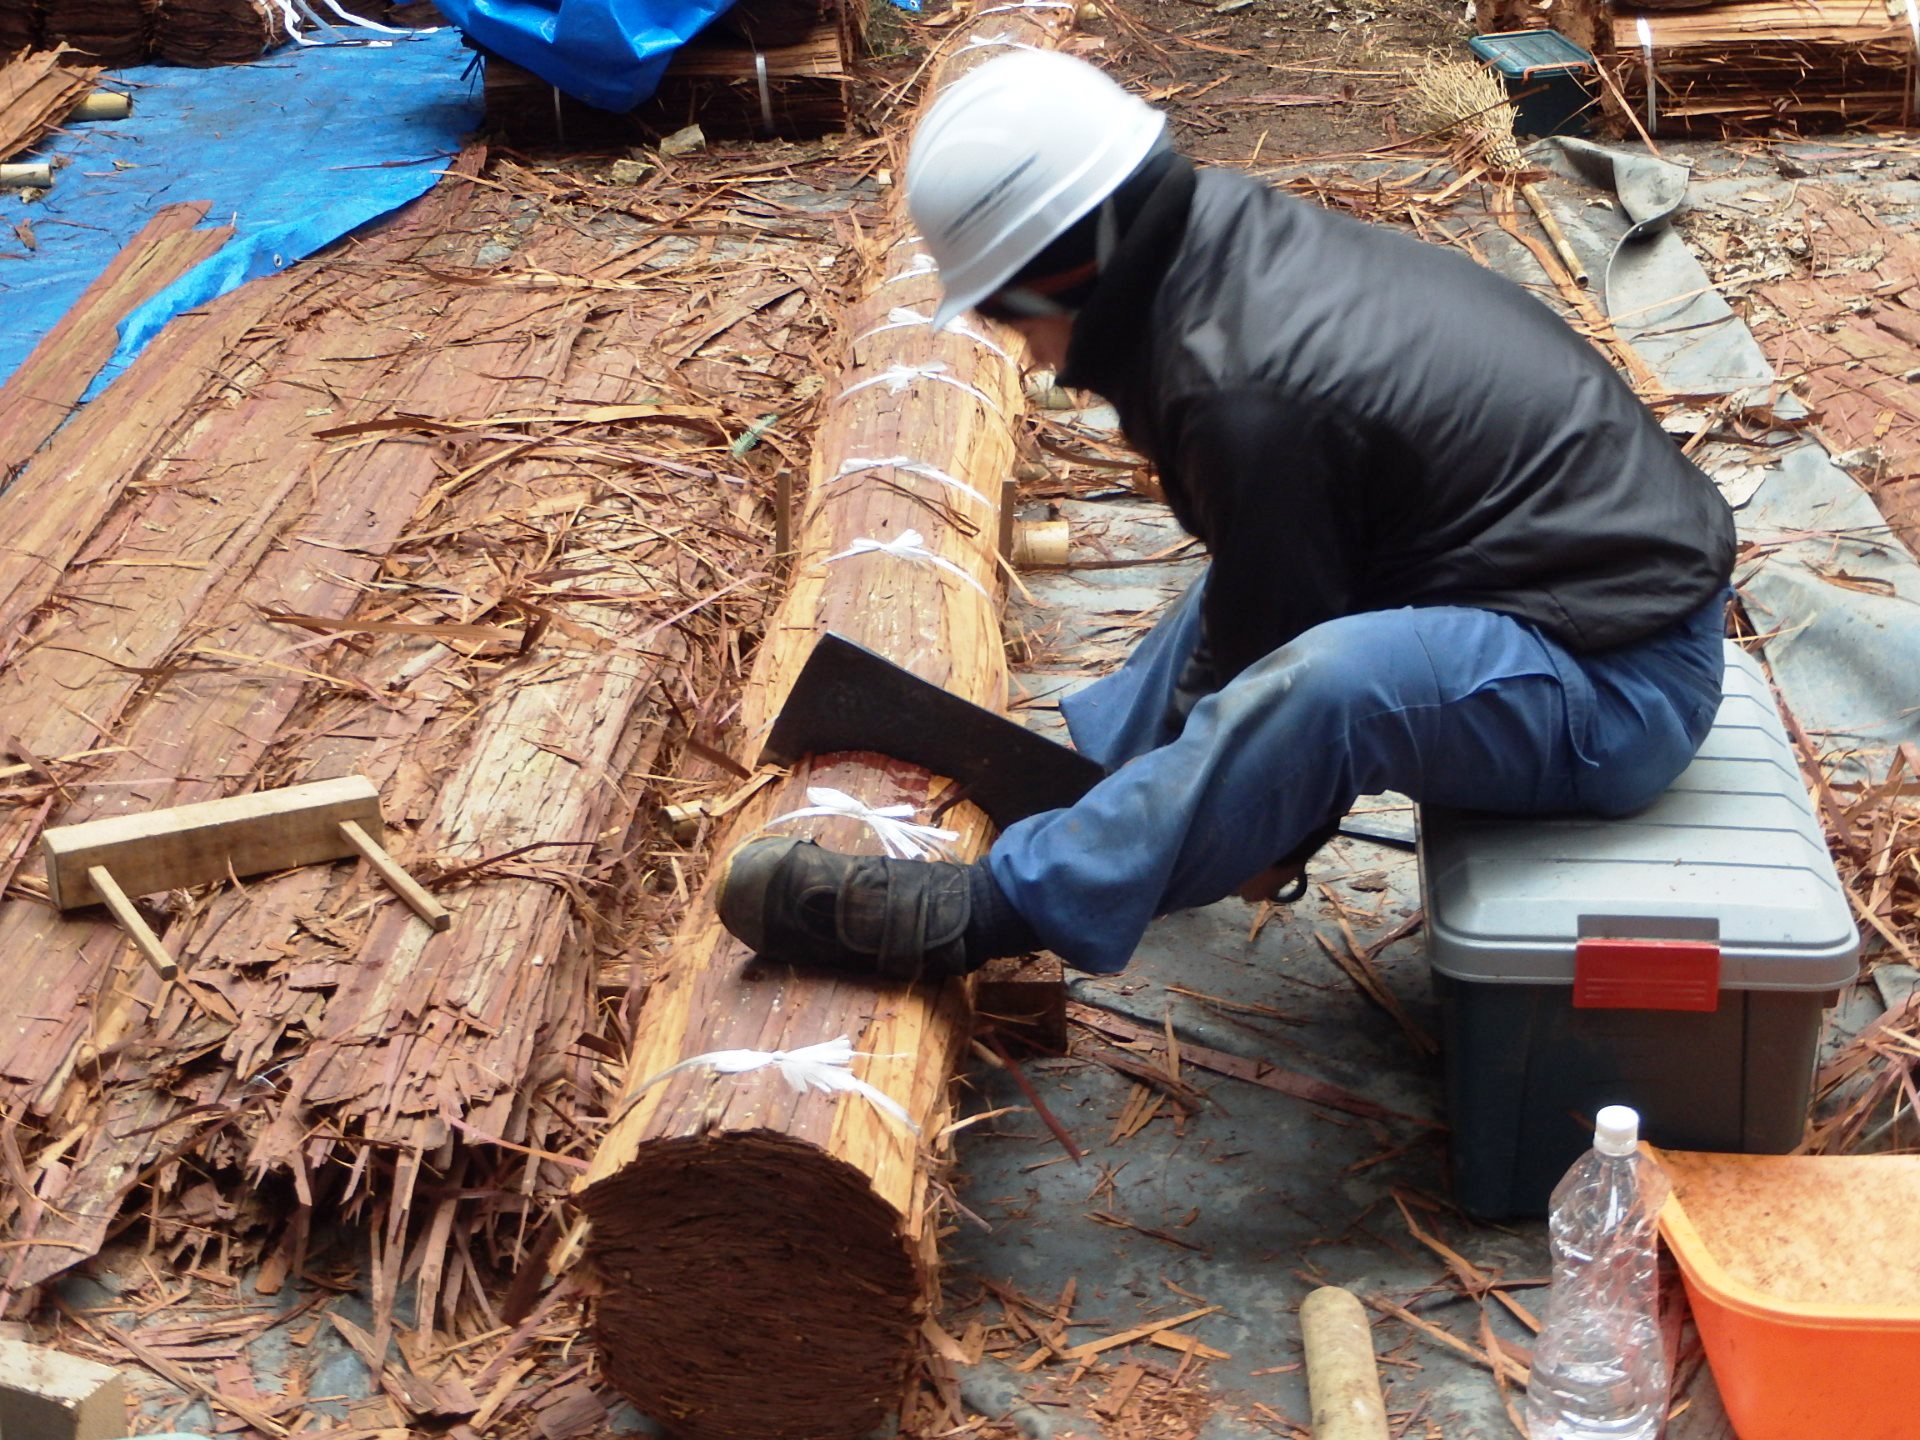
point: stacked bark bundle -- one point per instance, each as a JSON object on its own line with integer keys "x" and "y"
{"x": 19, "y": 26}
{"x": 107, "y": 32}
{"x": 219, "y": 32}
{"x": 764, "y": 68}
{"x": 37, "y": 92}
{"x": 113, "y": 33}
{"x": 1742, "y": 66}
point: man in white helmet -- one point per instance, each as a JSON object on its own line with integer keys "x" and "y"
{"x": 1452, "y": 554}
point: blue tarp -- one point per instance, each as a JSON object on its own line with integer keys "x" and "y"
{"x": 294, "y": 150}
{"x": 609, "y": 53}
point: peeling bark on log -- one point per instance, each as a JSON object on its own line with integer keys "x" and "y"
{"x": 44, "y": 391}
{"x": 763, "y": 1257}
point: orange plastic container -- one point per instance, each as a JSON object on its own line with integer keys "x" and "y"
{"x": 1804, "y": 1277}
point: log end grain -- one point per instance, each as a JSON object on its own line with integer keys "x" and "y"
{"x": 749, "y": 1284}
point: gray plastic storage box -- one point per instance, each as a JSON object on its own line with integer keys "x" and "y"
{"x": 1678, "y": 961}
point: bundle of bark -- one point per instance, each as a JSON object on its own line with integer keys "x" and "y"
{"x": 106, "y": 32}
{"x": 219, "y": 32}
{"x": 1741, "y": 67}
{"x": 19, "y": 26}
{"x": 37, "y": 92}
{"x": 764, "y": 68}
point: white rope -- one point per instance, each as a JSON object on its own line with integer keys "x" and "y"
{"x": 1913, "y": 24}
{"x": 352, "y": 19}
{"x": 900, "y": 378}
{"x": 908, "y": 546}
{"x": 766, "y": 95}
{"x": 922, "y": 264}
{"x": 1646, "y": 48}
{"x": 902, "y": 317}
{"x": 899, "y": 834}
{"x": 826, "y": 1067}
{"x": 292, "y": 19}
{"x": 906, "y": 465}
{"x": 989, "y": 42}
{"x": 1025, "y": 5}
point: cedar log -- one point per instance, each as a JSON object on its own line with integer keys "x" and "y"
{"x": 762, "y": 1259}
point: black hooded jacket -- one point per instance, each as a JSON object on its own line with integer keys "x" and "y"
{"x": 1351, "y": 419}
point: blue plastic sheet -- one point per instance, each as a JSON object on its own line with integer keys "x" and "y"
{"x": 294, "y": 150}
{"x": 608, "y": 53}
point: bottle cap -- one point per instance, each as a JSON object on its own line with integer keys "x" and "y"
{"x": 1616, "y": 1130}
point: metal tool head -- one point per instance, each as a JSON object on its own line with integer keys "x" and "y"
{"x": 849, "y": 698}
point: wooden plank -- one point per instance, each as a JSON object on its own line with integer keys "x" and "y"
{"x": 47, "y": 1395}
{"x": 189, "y": 845}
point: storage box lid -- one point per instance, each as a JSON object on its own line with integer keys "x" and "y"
{"x": 1519, "y": 53}
{"x": 1731, "y": 856}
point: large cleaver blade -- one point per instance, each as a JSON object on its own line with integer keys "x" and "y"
{"x": 849, "y": 698}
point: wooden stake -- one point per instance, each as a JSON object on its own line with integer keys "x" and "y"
{"x": 138, "y": 931}
{"x": 1343, "y": 1380}
{"x": 783, "y": 520}
{"x": 1009, "y": 505}
{"x": 103, "y": 105}
{"x": 1551, "y": 224}
{"x": 403, "y": 884}
{"x": 1041, "y": 542}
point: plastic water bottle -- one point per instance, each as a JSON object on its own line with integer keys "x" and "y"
{"x": 1600, "y": 1362}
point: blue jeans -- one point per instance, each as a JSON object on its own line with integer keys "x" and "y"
{"x": 1450, "y": 705}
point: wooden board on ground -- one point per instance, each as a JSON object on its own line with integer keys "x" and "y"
{"x": 211, "y": 841}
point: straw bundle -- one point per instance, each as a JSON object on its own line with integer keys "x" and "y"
{"x": 1469, "y": 104}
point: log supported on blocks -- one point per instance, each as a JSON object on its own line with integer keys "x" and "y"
{"x": 763, "y": 1254}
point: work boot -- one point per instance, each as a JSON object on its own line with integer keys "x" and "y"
{"x": 861, "y": 914}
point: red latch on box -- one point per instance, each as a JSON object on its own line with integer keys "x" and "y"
{"x": 1646, "y": 975}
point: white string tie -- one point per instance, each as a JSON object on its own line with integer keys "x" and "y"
{"x": 989, "y": 42}
{"x": 1913, "y": 24}
{"x": 766, "y": 94}
{"x": 903, "y": 317}
{"x": 921, "y": 264}
{"x": 1645, "y": 32}
{"x": 906, "y": 465}
{"x": 909, "y": 545}
{"x": 1026, "y": 5}
{"x": 899, "y": 834}
{"x": 353, "y": 19}
{"x": 826, "y": 1067}
{"x": 292, "y": 18}
{"x": 900, "y": 378}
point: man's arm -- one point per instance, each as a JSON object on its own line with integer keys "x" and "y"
{"x": 1276, "y": 493}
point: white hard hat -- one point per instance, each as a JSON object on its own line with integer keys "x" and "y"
{"x": 1009, "y": 156}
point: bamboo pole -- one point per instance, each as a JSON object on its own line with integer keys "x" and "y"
{"x": 763, "y": 1257}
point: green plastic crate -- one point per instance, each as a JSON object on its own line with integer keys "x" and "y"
{"x": 1551, "y": 79}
